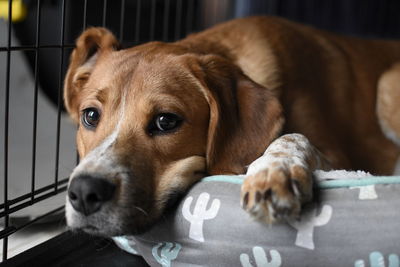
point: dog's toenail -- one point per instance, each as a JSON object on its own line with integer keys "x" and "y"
{"x": 258, "y": 196}
{"x": 267, "y": 194}
{"x": 245, "y": 200}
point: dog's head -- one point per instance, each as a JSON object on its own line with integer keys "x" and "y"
{"x": 153, "y": 120}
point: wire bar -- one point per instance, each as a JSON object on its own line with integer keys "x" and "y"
{"x": 85, "y": 3}
{"x": 6, "y": 232}
{"x": 27, "y": 196}
{"x": 152, "y": 19}
{"x": 104, "y": 13}
{"x": 29, "y": 203}
{"x": 137, "y": 23}
{"x": 6, "y": 117}
{"x": 121, "y": 22}
{"x": 35, "y": 101}
{"x": 166, "y": 21}
{"x": 59, "y": 99}
{"x": 33, "y": 47}
{"x": 12, "y": 229}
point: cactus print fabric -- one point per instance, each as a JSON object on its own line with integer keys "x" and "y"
{"x": 354, "y": 222}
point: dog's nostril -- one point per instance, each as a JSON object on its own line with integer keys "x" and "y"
{"x": 72, "y": 195}
{"x": 92, "y": 198}
{"x": 87, "y": 194}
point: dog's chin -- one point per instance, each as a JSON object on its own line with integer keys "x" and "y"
{"x": 90, "y": 229}
{"x": 110, "y": 231}
{"x": 109, "y": 226}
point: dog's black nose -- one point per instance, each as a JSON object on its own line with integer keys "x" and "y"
{"x": 87, "y": 194}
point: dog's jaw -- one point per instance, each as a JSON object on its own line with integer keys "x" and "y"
{"x": 133, "y": 211}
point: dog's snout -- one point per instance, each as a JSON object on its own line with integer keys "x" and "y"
{"x": 87, "y": 194}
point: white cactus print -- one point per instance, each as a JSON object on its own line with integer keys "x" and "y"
{"x": 376, "y": 259}
{"x": 260, "y": 258}
{"x": 305, "y": 226}
{"x": 168, "y": 253}
{"x": 200, "y": 213}
{"x": 366, "y": 192}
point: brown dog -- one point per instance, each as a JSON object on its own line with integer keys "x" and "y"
{"x": 155, "y": 118}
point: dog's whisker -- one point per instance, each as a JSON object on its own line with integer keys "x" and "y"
{"x": 141, "y": 210}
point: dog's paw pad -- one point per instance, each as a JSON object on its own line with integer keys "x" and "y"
{"x": 272, "y": 195}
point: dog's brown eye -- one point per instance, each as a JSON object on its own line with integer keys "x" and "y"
{"x": 164, "y": 123}
{"x": 90, "y": 118}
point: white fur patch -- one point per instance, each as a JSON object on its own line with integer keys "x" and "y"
{"x": 102, "y": 158}
{"x": 293, "y": 152}
{"x": 99, "y": 160}
{"x": 389, "y": 133}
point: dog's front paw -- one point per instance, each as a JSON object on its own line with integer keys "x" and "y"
{"x": 276, "y": 193}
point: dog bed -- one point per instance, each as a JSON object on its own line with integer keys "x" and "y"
{"x": 354, "y": 222}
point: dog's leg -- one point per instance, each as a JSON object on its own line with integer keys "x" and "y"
{"x": 387, "y": 107}
{"x": 387, "y": 103}
{"x": 279, "y": 182}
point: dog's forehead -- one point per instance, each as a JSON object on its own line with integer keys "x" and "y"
{"x": 132, "y": 61}
{"x": 146, "y": 82}
{"x": 141, "y": 72}
{"x": 114, "y": 68}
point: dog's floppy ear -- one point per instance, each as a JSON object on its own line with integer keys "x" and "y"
{"x": 89, "y": 47}
{"x": 244, "y": 116}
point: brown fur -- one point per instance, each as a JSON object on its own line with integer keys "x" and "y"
{"x": 327, "y": 84}
{"x": 388, "y": 110}
{"x": 238, "y": 85}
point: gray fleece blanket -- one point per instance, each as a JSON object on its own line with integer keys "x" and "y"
{"x": 353, "y": 222}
